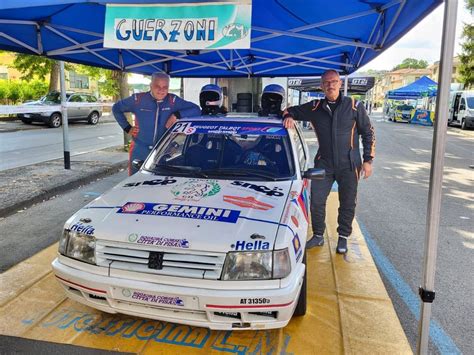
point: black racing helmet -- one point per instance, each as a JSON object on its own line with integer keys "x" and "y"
{"x": 272, "y": 98}
{"x": 210, "y": 99}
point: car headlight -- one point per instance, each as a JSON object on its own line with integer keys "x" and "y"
{"x": 265, "y": 265}
{"x": 78, "y": 246}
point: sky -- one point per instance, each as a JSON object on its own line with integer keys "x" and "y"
{"x": 423, "y": 41}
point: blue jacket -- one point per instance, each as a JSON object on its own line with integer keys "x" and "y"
{"x": 151, "y": 115}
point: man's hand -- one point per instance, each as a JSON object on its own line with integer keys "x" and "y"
{"x": 133, "y": 132}
{"x": 171, "y": 121}
{"x": 366, "y": 170}
{"x": 289, "y": 123}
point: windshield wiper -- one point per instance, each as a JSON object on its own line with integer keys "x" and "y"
{"x": 241, "y": 172}
{"x": 180, "y": 169}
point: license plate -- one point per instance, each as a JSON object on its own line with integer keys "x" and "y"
{"x": 27, "y": 116}
{"x": 154, "y": 298}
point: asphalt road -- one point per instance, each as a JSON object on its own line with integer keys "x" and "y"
{"x": 392, "y": 207}
{"x": 29, "y": 144}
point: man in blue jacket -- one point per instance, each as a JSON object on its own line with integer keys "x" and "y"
{"x": 155, "y": 111}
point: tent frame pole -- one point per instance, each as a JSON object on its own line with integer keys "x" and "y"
{"x": 67, "y": 154}
{"x": 436, "y": 174}
{"x": 346, "y": 84}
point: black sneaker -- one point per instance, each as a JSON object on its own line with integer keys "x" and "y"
{"x": 342, "y": 245}
{"x": 316, "y": 241}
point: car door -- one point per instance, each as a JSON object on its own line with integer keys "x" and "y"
{"x": 74, "y": 113}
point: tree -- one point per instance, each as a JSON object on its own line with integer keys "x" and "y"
{"x": 412, "y": 63}
{"x": 466, "y": 69}
{"x": 31, "y": 66}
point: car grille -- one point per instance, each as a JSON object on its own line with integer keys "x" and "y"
{"x": 192, "y": 264}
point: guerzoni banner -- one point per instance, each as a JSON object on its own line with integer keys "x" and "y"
{"x": 179, "y": 26}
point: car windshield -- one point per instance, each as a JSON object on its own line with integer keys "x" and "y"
{"x": 256, "y": 151}
{"x": 53, "y": 98}
{"x": 405, "y": 107}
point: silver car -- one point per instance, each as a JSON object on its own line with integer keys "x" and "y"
{"x": 90, "y": 113}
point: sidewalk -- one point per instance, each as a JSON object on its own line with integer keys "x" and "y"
{"x": 25, "y": 186}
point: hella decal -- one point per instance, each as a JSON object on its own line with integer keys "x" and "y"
{"x": 276, "y": 191}
{"x": 82, "y": 228}
{"x": 181, "y": 211}
{"x": 155, "y": 182}
{"x": 243, "y": 245}
{"x": 248, "y": 202}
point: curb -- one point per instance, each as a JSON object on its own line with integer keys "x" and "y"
{"x": 42, "y": 195}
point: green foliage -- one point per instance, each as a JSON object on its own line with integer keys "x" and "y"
{"x": 19, "y": 91}
{"x": 3, "y": 90}
{"x": 108, "y": 83}
{"x": 412, "y": 63}
{"x": 466, "y": 69}
{"x": 31, "y": 65}
{"x": 15, "y": 92}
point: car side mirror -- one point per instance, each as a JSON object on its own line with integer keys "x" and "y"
{"x": 314, "y": 174}
{"x": 137, "y": 163}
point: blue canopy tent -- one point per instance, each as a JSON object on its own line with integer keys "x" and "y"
{"x": 423, "y": 87}
{"x": 288, "y": 38}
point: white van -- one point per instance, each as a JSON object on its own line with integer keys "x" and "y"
{"x": 461, "y": 109}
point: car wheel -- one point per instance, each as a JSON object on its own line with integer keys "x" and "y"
{"x": 300, "y": 309}
{"x": 25, "y": 120}
{"x": 463, "y": 124}
{"x": 55, "y": 120}
{"x": 93, "y": 118}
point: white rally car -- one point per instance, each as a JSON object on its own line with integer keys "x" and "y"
{"x": 210, "y": 232}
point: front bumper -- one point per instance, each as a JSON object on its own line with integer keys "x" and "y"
{"x": 211, "y": 308}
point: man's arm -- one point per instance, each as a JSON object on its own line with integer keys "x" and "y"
{"x": 367, "y": 133}
{"x": 185, "y": 108}
{"x": 120, "y": 108}
{"x": 298, "y": 113}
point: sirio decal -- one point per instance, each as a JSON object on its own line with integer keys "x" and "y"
{"x": 82, "y": 228}
{"x": 248, "y": 202}
{"x": 195, "y": 189}
{"x": 156, "y": 182}
{"x": 243, "y": 245}
{"x": 181, "y": 211}
{"x": 276, "y": 191}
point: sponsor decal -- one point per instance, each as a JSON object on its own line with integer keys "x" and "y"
{"x": 275, "y": 191}
{"x": 132, "y": 207}
{"x": 158, "y": 299}
{"x": 243, "y": 245}
{"x": 82, "y": 228}
{"x": 256, "y": 300}
{"x": 162, "y": 241}
{"x": 126, "y": 292}
{"x": 247, "y": 202}
{"x": 230, "y": 128}
{"x": 295, "y": 221}
{"x": 293, "y": 194}
{"x": 155, "y": 182}
{"x": 195, "y": 189}
{"x": 296, "y": 244}
{"x": 303, "y": 201}
{"x": 181, "y": 211}
{"x": 133, "y": 237}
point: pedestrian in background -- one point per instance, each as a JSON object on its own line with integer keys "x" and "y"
{"x": 338, "y": 121}
{"x": 155, "y": 111}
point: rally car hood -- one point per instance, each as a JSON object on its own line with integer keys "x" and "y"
{"x": 187, "y": 213}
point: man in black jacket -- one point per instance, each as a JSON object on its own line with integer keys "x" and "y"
{"x": 338, "y": 121}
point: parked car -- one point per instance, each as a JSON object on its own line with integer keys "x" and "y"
{"x": 461, "y": 109}
{"x": 210, "y": 232}
{"x": 89, "y": 113}
{"x": 402, "y": 113}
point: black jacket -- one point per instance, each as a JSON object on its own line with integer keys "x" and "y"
{"x": 338, "y": 132}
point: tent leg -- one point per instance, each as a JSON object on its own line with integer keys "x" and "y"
{"x": 436, "y": 173}
{"x": 67, "y": 155}
{"x": 346, "y": 84}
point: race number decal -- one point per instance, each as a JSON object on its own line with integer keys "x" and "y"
{"x": 184, "y": 128}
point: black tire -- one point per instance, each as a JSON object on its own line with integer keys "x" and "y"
{"x": 300, "y": 309}
{"x": 463, "y": 124}
{"x": 26, "y": 121}
{"x": 244, "y": 96}
{"x": 54, "y": 120}
{"x": 93, "y": 118}
{"x": 244, "y": 108}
